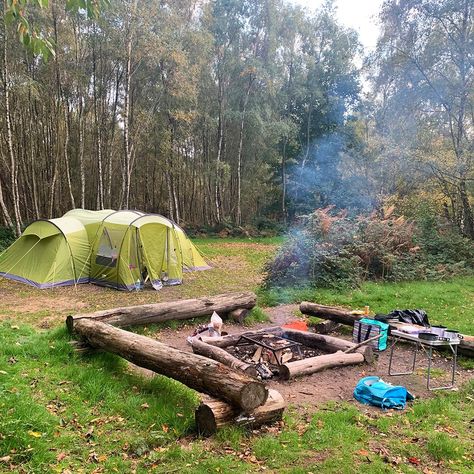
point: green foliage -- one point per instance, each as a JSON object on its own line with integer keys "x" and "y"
{"x": 7, "y": 237}
{"x": 34, "y": 39}
{"x": 330, "y": 250}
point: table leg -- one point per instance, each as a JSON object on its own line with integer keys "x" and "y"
{"x": 454, "y": 350}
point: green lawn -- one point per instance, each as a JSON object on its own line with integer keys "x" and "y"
{"x": 447, "y": 302}
{"x": 60, "y": 412}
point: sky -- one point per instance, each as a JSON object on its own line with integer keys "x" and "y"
{"x": 359, "y": 15}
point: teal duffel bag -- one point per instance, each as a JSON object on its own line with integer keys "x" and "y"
{"x": 366, "y": 328}
{"x": 374, "y": 391}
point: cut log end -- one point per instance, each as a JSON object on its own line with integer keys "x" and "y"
{"x": 238, "y": 315}
{"x": 205, "y": 420}
{"x": 213, "y": 414}
{"x": 253, "y": 395}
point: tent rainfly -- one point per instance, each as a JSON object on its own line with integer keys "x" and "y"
{"x": 118, "y": 249}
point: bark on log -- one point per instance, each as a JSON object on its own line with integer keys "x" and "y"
{"x": 159, "y": 312}
{"x": 466, "y": 347}
{"x": 195, "y": 371}
{"x": 221, "y": 355}
{"x": 232, "y": 339}
{"x": 327, "y": 343}
{"x": 316, "y": 364}
{"x": 326, "y": 326}
{"x": 339, "y": 315}
{"x": 213, "y": 414}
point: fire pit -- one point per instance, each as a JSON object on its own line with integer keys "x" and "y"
{"x": 281, "y": 352}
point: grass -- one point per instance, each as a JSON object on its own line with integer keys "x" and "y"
{"x": 63, "y": 413}
{"x": 448, "y": 302}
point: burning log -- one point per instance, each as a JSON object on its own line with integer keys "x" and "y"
{"x": 195, "y": 371}
{"x": 213, "y": 414}
{"x": 216, "y": 353}
{"x": 319, "y": 363}
{"x": 159, "y": 312}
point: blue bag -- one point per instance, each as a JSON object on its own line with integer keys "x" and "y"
{"x": 374, "y": 391}
{"x": 367, "y": 328}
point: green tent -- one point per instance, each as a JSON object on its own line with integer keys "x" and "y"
{"x": 49, "y": 253}
{"x": 120, "y": 249}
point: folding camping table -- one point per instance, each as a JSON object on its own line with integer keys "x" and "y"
{"x": 427, "y": 346}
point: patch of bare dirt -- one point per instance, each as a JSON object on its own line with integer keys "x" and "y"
{"x": 35, "y": 304}
{"x": 338, "y": 384}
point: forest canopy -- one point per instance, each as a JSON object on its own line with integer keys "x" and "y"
{"x": 237, "y": 111}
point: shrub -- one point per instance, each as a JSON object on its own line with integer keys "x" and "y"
{"x": 7, "y": 237}
{"x": 333, "y": 249}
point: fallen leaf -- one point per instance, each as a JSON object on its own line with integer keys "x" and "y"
{"x": 61, "y": 456}
{"x": 35, "y": 434}
{"x": 89, "y": 433}
{"x": 102, "y": 458}
{"x": 3, "y": 372}
{"x": 15, "y": 327}
{"x": 414, "y": 461}
{"x": 145, "y": 406}
{"x": 165, "y": 428}
{"x": 363, "y": 452}
{"x": 5, "y": 459}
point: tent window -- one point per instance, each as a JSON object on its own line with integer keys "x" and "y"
{"x": 108, "y": 251}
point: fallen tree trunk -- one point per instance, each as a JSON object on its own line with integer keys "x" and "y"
{"x": 159, "y": 312}
{"x": 232, "y": 339}
{"x": 319, "y": 363}
{"x": 213, "y": 414}
{"x": 327, "y": 343}
{"x": 339, "y": 315}
{"x": 216, "y": 353}
{"x": 195, "y": 371}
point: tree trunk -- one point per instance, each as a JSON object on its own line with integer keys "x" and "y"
{"x": 319, "y": 363}
{"x": 127, "y": 163}
{"x": 338, "y": 315}
{"x": 213, "y": 414}
{"x": 233, "y": 339}
{"x": 195, "y": 371}
{"x": 220, "y": 139}
{"x": 216, "y": 353}
{"x": 239, "y": 154}
{"x": 66, "y": 154}
{"x": 175, "y": 310}
{"x": 11, "y": 154}
{"x": 327, "y": 343}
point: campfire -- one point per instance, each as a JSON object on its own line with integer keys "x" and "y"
{"x": 269, "y": 352}
{"x": 280, "y": 352}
